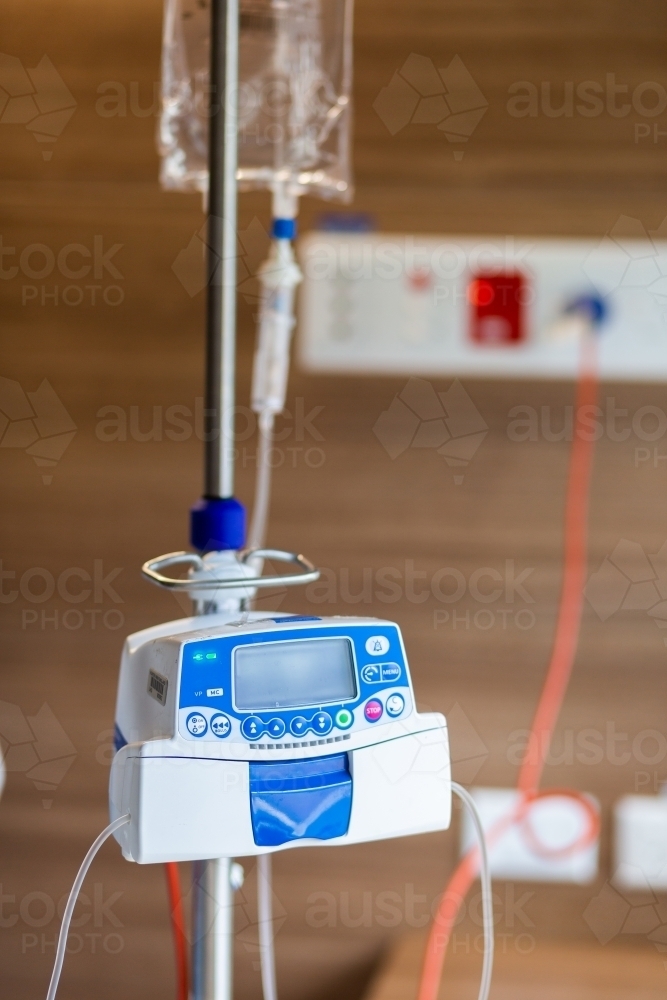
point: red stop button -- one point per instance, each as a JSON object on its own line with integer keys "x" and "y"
{"x": 373, "y": 710}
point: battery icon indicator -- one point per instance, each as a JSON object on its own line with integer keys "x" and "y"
{"x": 211, "y": 656}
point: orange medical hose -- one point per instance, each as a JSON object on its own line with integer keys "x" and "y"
{"x": 178, "y": 930}
{"x": 556, "y": 681}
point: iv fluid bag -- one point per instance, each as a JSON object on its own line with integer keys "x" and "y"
{"x": 295, "y": 70}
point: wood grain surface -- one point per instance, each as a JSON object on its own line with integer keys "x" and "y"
{"x": 130, "y": 338}
{"x": 549, "y": 971}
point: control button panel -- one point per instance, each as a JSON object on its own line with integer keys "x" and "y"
{"x": 210, "y": 698}
{"x": 213, "y": 725}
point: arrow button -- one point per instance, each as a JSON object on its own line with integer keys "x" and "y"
{"x": 252, "y": 727}
{"x": 298, "y": 726}
{"x": 321, "y": 724}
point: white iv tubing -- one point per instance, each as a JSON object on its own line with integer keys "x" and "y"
{"x": 260, "y": 510}
{"x": 487, "y": 895}
{"x": 279, "y": 277}
{"x": 256, "y": 539}
{"x": 267, "y": 954}
{"x": 71, "y": 902}
{"x": 264, "y": 909}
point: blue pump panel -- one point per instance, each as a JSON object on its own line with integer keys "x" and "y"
{"x": 296, "y": 800}
{"x": 295, "y": 681}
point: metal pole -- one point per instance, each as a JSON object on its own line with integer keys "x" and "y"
{"x": 212, "y": 905}
{"x": 221, "y": 269}
{"x": 213, "y": 927}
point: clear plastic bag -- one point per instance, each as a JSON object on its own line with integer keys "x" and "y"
{"x": 295, "y": 69}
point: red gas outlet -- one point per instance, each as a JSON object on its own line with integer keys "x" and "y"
{"x": 497, "y": 308}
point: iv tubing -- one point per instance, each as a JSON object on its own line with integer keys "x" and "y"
{"x": 278, "y": 277}
{"x": 71, "y": 902}
{"x": 256, "y": 539}
{"x": 283, "y": 206}
{"x": 487, "y": 895}
{"x": 260, "y": 509}
{"x": 574, "y": 578}
{"x": 265, "y": 915}
{"x": 557, "y": 677}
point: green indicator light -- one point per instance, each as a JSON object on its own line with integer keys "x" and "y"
{"x": 343, "y": 718}
{"x": 211, "y": 656}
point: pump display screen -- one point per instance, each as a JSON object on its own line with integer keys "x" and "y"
{"x": 290, "y": 674}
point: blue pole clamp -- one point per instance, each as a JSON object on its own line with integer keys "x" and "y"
{"x": 217, "y": 523}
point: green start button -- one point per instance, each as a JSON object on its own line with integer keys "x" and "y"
{"x": 344, "y": 719}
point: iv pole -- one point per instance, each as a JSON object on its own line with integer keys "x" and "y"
{"x": 222, "y": 578}
{"x": 221, "y": 264}
{"x": 212, "y": 908}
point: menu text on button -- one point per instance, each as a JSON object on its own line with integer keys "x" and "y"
{"x": 390, "y": 671}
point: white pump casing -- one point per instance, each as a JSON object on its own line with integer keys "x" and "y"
{"x": 189, "y": 798}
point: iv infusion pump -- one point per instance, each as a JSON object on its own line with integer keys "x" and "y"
{"x": 255, "y": 734}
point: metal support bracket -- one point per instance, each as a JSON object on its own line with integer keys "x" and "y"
{"x": 152, "y": 571}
